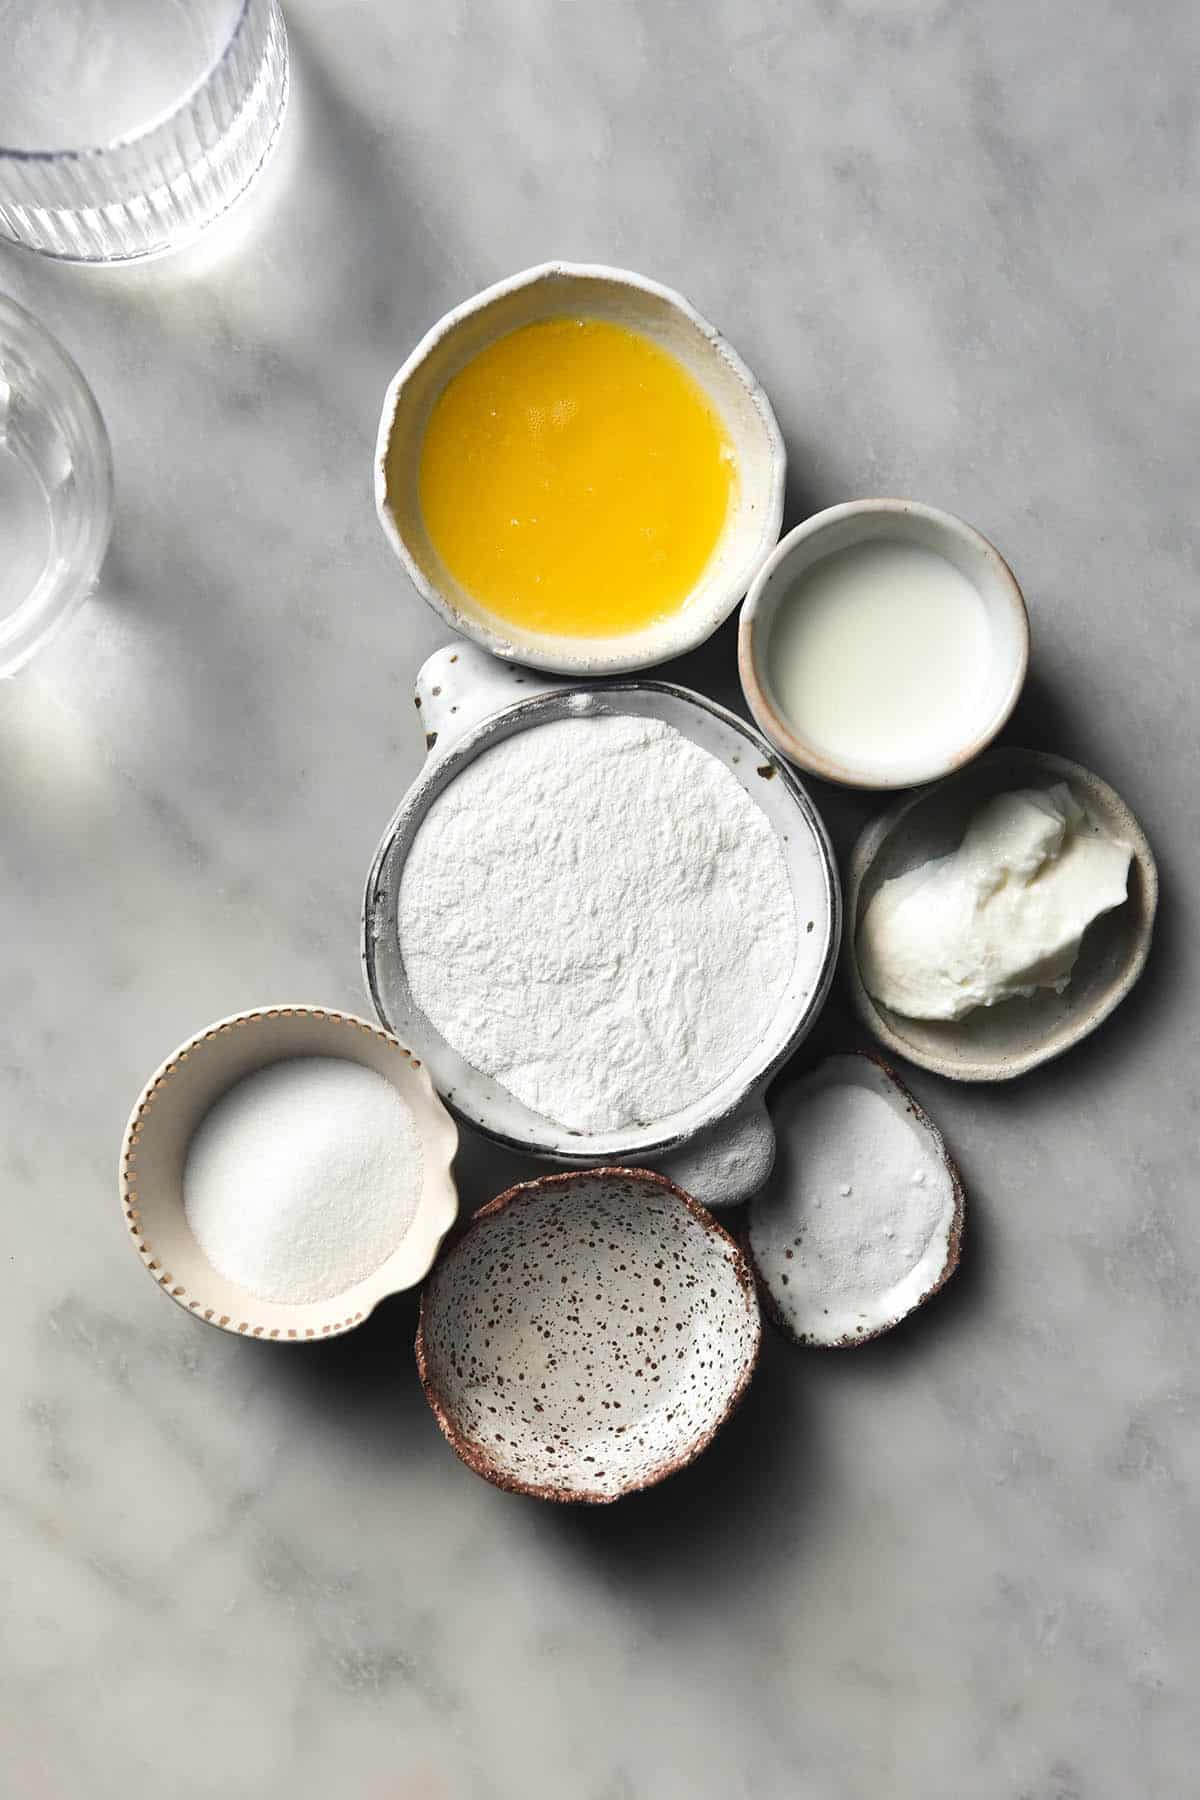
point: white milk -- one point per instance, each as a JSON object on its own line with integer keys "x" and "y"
{"x": 879, "y": 655}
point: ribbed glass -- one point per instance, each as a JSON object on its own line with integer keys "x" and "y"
{"x": 153, "y": 190}
{"x": 56, "y": 486}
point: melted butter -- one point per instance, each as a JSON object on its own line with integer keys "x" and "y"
{"x": 575, "y": 479}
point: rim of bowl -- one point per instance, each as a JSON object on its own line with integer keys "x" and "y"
{"x": 752, "y": 647}
{"x": 476, "y": 1458}
{"x": 128, "y": 1180}
{"x": 35, "y": 620}
{"x": 625, "y": 657}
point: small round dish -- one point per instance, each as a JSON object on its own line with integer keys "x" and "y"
{"x": 998, "y": 1042}
{"x": 176, "y": 1099}
{"x": 593, "y": 291}
{"x": 861, "y": 1222}
{"x": 864, "y": 522}
{"x": 587, "y": 1335}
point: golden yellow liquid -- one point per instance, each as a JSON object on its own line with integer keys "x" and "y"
{"x": 575, "y": 479}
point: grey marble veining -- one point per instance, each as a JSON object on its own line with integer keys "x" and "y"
{"x": 956, "y": 242}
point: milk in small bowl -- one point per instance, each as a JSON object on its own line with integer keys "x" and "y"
{"x": 882, "y": 644}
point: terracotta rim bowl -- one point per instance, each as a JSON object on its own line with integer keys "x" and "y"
{"x": 587, "y": 1335}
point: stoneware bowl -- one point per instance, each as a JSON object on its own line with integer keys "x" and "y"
{"x": 173, "y": 1103}
{"x": 587, "y": 1335}
{"x": 860, "y": 1224}
{"x": 721, "y": 1147}
{"x": 995, "y": 1043}
{"x": 594, "y": 291}
{"x": 865, "y": 521}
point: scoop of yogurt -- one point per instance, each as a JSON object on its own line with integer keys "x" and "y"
{"x": 1001, "y": 916}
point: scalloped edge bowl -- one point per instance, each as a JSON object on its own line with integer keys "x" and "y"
{"x": 176, "y": 1099}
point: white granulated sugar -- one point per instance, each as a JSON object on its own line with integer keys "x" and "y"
{"x": 854, "y": 1227}
{"x": 303, "y": 1178}
{"x": 596, "y": 914}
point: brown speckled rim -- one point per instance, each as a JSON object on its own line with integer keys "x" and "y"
{"x": 854, "y": 1339}
{"x": 478, "y": 1459}
{"x": 752, "y": 644}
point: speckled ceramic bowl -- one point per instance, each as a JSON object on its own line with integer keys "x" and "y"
{"x": 587, "y": 1335}
{"x": 597, "y": 292}
{"x": 176, "y": 1099}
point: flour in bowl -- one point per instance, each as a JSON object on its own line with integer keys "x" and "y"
{"x": 596, "y": 914}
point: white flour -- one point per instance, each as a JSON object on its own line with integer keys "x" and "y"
{"x": 303, "y": 1178}
{"x": 597, "y": 915}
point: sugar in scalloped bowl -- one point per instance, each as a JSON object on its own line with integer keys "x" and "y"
{"x": 587, "y": 1335}
{"x": 591, "y": 293}
{"x": 182, "y": 1094}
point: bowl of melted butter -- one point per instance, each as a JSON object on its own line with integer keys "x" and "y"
{"x": 578, "y": 472}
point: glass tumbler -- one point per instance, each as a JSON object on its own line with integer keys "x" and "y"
{"x": 55, "y": 486}
{"x": 127, "y": 125}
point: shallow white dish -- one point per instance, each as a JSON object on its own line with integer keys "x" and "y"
{"x": 866, "y": 521}
{"x": 594, "y": 291}
{"x": 854, "y": 1231}
{"x": 176, "y": 1099}
{"x": 587, "y": 1335}
{"x": 720, "y": 1148}
{"x": 997, "y": 1042}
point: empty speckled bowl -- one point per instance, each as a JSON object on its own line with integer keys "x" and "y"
{"x": 172, "y": 1105}
{"x": 587, "y": 1335}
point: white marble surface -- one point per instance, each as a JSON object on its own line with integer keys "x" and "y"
{"x": 957, "y": 243}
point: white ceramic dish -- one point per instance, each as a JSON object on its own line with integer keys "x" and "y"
{"x": 594, "y": 291}
{"x": 173, "y": 1103}
{"x": 587, "y": 1335}
{"x": 721, "y": 1148}
{"x": 866, "y": 521}
{"x": 858, "y": 1225}
{"x": 995, "y": 1043}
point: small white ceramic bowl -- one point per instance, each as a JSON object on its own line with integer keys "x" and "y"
{"x": 865, "y": 521}
{"x": 176, "y": 1099}
{"x": 996, "y": 1043}
{"x": 587, "y": 1335}
{"x": 592, "y": 291}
